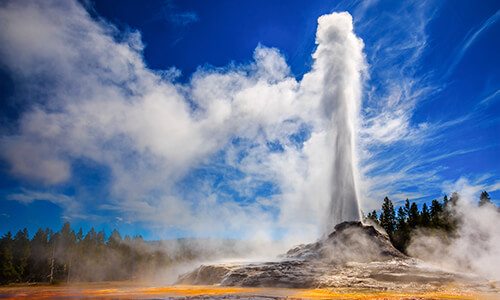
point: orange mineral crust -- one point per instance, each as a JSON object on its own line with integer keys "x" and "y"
{"x": 138, "y": 291}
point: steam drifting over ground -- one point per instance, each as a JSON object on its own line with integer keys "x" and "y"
{"x": 476, "y": 247}
{"x": 96, "y": 101}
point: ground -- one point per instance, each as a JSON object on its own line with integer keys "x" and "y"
{"x": 135, "y": 290}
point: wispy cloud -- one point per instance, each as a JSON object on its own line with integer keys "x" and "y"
{"x": 71, "y": 206}
{"x": 177, "y": 17}
{"x": 390, "y": 141}
{"x": 470, "y": 40}
{"x": 489, "y": 98}
{"x": 399, "y": 156}
{"x": 183, "y": 18}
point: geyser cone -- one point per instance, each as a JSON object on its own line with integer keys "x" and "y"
{"x": 339, "y": 62}
{"x": 354, "y": 255}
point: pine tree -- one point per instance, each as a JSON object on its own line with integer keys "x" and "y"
{"x": 484, "y": 199}
{"x": 425, "y": 217}
{"x": 388, "y": 216}
{"x": 413, "y": 216}
{"x": 79, "y": 236}
{"x": 7, "y": 269}
{"x": 53, "y": 259}
{"x": 21, "y": 249}
{"x": 436, "y": 213}
{"x": 66, "y": 249}
{"x": 449, "y": 221}
{"x": 407, "y": 207}
{"x": 402, "y": 233}
{"x": 39, "y": 257}
{"x": 115, "y": 239}
{"x": 373, "y": 216}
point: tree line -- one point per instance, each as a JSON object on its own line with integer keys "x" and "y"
{"x": 401, "y": 223}
{"x": 66, "y": 255}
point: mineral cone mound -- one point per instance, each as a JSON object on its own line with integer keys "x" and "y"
{"x": 353, "y": 255}
{"x": 349, "y": 242}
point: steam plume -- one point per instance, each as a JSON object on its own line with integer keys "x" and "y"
{"x": 476, "y": 246}
{"x": 339, "y": 63}
{"x": 98, "y": 102}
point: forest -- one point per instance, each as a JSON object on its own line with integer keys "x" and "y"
{"x": 69, "y": 256}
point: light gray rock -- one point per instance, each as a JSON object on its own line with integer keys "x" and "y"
{"x": 354, "y": 255}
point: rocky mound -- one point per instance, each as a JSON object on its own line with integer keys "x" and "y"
{"x": 349, "y": 242}
{"x": 353, "y": 255}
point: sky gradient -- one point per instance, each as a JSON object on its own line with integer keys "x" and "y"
{"x": 87, "y": 135}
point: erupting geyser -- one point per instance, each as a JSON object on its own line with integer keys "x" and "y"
{"x": 338, "y": 65}
{"x": 349, "y": 254}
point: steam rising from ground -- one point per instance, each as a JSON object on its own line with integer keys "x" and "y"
{"x": 476, "y": 248}
{"x": 90, "y": 98}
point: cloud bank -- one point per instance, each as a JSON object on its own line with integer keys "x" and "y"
{"x": 91, "y": 97}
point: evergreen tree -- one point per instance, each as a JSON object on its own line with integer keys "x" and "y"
{"x": 436, "y": 213}
{"x": 115, "y": 239}
{"x": 65, "y": 252}
{"x": 39, "y": 256}
{"x": 90, "y": 240}
{"x": 388, "y": 217}
{"x": 373, "y": 216}
{"x": 8, "y": 271}
{"x": 54, "y": 265}
{"x": 402, "y": 232}
{"x": 425, "y": 217}
{"x": 407, "y": 207}
{"x": 21, "y": 251}
{"x": 79, "y": 236}
{"x": 401, "y": 218}
{"x": 484, "y": 198}
{"x": 449, "y": 220}
{"x": 413, "y": 216}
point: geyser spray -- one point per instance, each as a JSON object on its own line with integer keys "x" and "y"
{"x": 339, "y": 64}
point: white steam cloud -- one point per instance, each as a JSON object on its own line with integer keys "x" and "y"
{"x": 476, "y": 246}
{"x": 338, "y": 66}
{"x": 90, "y": 96}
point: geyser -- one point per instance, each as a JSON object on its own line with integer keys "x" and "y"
{"x": 338, "y": 65}
{"x": 349, "y": 254}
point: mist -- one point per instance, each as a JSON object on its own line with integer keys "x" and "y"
{"x": 475, "y": 248}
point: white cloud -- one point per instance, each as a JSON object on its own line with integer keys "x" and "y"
{"x": 73, "y": 208}
{"x": 93, "y": 97}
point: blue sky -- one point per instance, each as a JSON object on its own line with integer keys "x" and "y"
{"x": 429, "y": 120}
